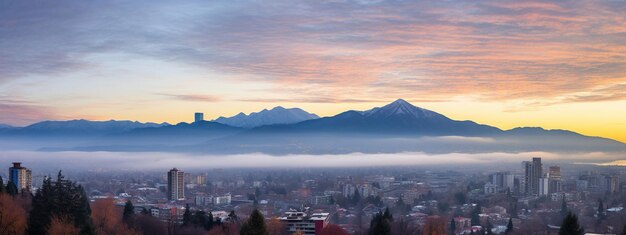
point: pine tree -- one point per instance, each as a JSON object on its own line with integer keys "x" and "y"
{"x": 570, "y": 226}
{"x": 601, "y": 214}
{"x": 61, "y": 199}
{"x": 452, "y": 226}
{"x": 475, "y": 218}
{"x": 210, "y": 221}
{"x": 2, "y": 188}
{"x": 356, "y": 198}
{"x": 187, "y": 215}
{"x": 380, "y": 224}
{"x": 129, "y": 211}
{"x": 255, "y": 224}
{"x": 624, "y": 230}
{"x": 387, "y": 214}
{"x": 145, "y": 211}
{"x": 488, "y": 228}
{"x": 509, "y": 226}
{"x": 11, "y": 188}
{"x": 564, "y": 209}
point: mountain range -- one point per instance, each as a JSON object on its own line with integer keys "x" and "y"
{"x": 277, "y": 115}
{"x": 396, "y": 127}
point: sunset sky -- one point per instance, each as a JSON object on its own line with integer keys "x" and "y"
{"x": 554, "y": 64}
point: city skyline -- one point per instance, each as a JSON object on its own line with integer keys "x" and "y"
{"x": 506, "y": 64}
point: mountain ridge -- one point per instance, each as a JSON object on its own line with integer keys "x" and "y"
{"x": 276, "y": 115}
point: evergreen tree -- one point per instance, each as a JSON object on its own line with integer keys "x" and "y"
{"x": 356, "y": 198}
{"x": 452, "y": 226}
{"x": 255, "y": 225}
{"x": 570, "y": 226}
{"x": 145, "y": 211}
{"x": 624, "y": 230}
{"x": 475, "y": 218}
{"x": 564, "y": 209}
{"x": 509, "y": 226}
{"x": 200, "y": 219}
{"x": 62, "y": 199}
{"x": 387, "y": 214}
{"x": 601, "y": 214}
{"x": 187, "y": 215}
{"x": 129, "y": 211}
{"x": 2, "y": 188}
{"x": 380, "y": 224}
{"x": 232, "y": 216}
{"x": 210, "y": 221}
{"x": 12, "y": 189}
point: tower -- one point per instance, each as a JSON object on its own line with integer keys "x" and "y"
{"x": 175, "y": 185}
{"x": 532, "y": 173}
{"x": 198, "y": 117}
{"x": 20, "y": 176}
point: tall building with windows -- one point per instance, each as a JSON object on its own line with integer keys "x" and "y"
{"x": 532, "y": 173}
{"x": 175, "y": 185}
{"x": 554, "y": 177}
{"x": 20, "y": 176}
{"x": 198, "y": 117}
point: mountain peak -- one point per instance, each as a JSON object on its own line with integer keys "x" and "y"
{"x": 400, "y": 107}
{"x": 277, "y": 115}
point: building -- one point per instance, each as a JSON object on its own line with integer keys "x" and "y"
{"x": 222, "y": 200}
{"x": 503, "y": 180}
{"x": 20, "y": 176}
{"x": 555, "y": 179}
{"x": 612, "y": 183}
{"x": 299, "y": 221}
{"x": 175, "y": 185}
{"x": 491, "y": 188}
{"x": 198, "y": 117}
{"x": 532, "y": 173}
{"x": 544, "y": 186}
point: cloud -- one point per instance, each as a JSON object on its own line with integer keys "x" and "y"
{"x": 197, "y": 98}
{"x": 19, "y": 112}
{"x": 344, "y": 49}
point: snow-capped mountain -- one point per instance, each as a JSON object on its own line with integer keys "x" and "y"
{"x": 277, "y": 115}
{"x": 398, "y": 117}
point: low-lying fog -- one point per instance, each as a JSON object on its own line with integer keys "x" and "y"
{"x": 158, "y": 161}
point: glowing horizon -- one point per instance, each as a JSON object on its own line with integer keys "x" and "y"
{"x": 557, "y": 65}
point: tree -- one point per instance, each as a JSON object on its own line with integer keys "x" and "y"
{"x": 460, "y": 198}
{"x": 435, "y": 225}
{"x": 387, "y": 214}
{"x": 2, "y": 188}
{"x": 62, "y": 226}
{"x": 509, "y": 226}
{"x": 488, "y": 227}
{"x": 66, "y": 201}
{"x": 475, "y": 218}
{"x": 129, "y": 211}
{"x": 275, "y": 227}
{"x": 452, "y": 226}
{"x": 356, "y": 198}
{"x": 11, "y": 188}
{"x": 145, "y": 211}
{"x": 332, "y": 229}
{"x": 187, "y": 215}
{"x": 12, "y": 216}
{"x": 105, "y": 216}
{"x": 570, "y": 226}
{"x": 624, "y": 230}
{"x": 255, "y": 225}
{"x": 601, "y": 214}
{"x": 380, "y": 224}
{"x": 564, "y": 210}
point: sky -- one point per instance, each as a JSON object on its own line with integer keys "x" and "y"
{"x": 554, "y": 64}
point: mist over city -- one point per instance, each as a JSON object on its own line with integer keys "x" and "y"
{"x": 338, "y": 117}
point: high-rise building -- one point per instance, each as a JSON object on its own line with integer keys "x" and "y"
{"x": 544, "y": 186}
{"x": 532, "y": 173}
{"x": 503, "y": 180}
{"x": 555, "y": 179}
{"x": 20, "y": 176}
{"x": 175, "y": 185}
{"x": 198, "y": 117}
{"x": 612, "y": 183}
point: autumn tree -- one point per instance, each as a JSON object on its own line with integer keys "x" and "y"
{"x": 105, "y": 216}
{"x": 332, "y": 229}
{"x": 12, "y": 216}
{"x": 276, "y": 227}
{"x": 62, "y": 226}
{"x": 434, "y": 225}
